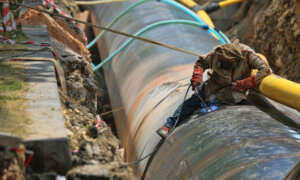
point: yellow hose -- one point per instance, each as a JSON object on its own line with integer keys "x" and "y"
{"x": 201, "y": 13}
{"x": 188, "y": 3}
{"x": 206, "y": 19}
{"x": 229, "y": 2}
{"x": 279, "y": 89}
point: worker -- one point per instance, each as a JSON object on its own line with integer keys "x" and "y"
{"x": 231, "y": 78}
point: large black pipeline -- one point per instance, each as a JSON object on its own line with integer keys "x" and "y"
{"x": 150, "y": 82}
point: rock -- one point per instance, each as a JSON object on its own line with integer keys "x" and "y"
{"x": 79, "y": 77}
{"x": 92, "y": 132}
{"x": 69, "y": 133}
{"x": 11, "y": 164}
{"x": 86, "y": 149}
{"x": 43, "y": 176}
{"x": 89, "y": 172}
{"x": 70, "y": 105}
{"x": 90, "y": 115}
{"x": 77, "y": 111}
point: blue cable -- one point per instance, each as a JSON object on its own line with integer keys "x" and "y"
{"x": 219, "y": 34}
{"x": 173, "y": 3}
{"x": 192, "y": 14}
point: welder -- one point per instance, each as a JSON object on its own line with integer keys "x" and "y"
{"x": 231, "y": 64}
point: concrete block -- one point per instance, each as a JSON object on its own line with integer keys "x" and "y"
{"x": 50, "y": 155}
{"x": 47, "y": 135}
{"x": 7, "y": 140}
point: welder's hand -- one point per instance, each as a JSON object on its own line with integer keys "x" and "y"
{"x": 244, "y": 84}
{"x": 196, "y": 78}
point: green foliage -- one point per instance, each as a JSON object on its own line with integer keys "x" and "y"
{"x": 12, "y": 102}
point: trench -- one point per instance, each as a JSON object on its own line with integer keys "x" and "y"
{"x": 132, "y": 140}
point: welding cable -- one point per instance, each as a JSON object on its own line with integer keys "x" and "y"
{"x": 58, "y": 67}
{"x": 157, "y": 24}
{"x": 141, "y": 159}
{"x": 173, "y": 3}
{"x": 97, "y": 2}
{"x": 176, "y": 122}
{"x": 25, "y": 54}
{"x": 59, "y": 70}
{"x": 156, "y": 148}
{"x": 117, "y": 32}
{"x": 215, "y": 6}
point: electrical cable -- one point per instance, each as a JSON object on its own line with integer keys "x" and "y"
{"x": 221, "y": 37}
{"x": 195, "y": 16}
{"x": 25, "y": 54}
{"x": 155, "y": 149}
{"x": 94, "y": 41}
{"x": 198, "y": 89}
{"x": 117, "y": 32}
{"x": 188, "y": 89}
{"x": 141, "y": 32}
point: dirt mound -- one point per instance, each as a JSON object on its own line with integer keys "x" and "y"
{"x": 11, "y": 165}
{"x": 81, "y": 85}
{"x": 96, "y": 151}
{"x": 278, "y": 37}
{"x": 271, "y": 28}
{"x": 58, "y": 29}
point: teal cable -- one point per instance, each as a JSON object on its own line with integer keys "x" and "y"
{"x": 114, "y": 21}
{"x": 195, "y": 16}
{"x": 94, "y": 41}
{"x": 141, "y": 32}
{"x": 97, "y": 72}
{"x": 177, "y": 5}
{"x": 225, "y": 37}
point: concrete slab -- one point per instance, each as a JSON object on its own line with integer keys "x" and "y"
{"x": 7, "y": 140}
{"x": 47, "y": 135}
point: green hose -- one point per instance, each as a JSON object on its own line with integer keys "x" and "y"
{"x": 141, "y": 32}
{"x": 94, "y": 41}
{"x": 114, "y": 21}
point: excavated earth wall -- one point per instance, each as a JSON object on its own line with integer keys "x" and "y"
{"x": 271, "y": 28}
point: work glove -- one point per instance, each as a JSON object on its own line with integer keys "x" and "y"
{"x": 196, "y": 78}
{"x": 244, "y": 84}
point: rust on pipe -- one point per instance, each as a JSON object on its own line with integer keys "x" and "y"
{"x": 150, "y": 82}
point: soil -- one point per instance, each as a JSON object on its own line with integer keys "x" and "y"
{"x": 81, "y": 85}
{"x": 271, "y": 28}
{"x": 58, "y": 30}
{"x": 12, "y": 165}
{"x": 71, "y": 49}
{"x": 95, "y": 151}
